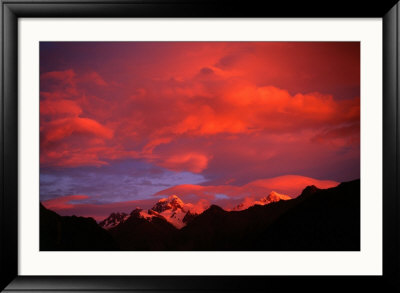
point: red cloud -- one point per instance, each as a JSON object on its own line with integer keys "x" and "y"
{"x": 73, "y": 156}
{"x": 62, "y": 128}
{"x": 76, "y": 141}
{"x": 198, "y": 207}
{"x": 58, "y": 83}
{"x": 67, "y": 138}
{"x": 193, "y": 162}
{"x": 291, "y": 185}
{"x": 64, "y": 202}
{"x": 200, "y": 101}
{"x": 59, "y": 107}
{"x": 245, "y": 108}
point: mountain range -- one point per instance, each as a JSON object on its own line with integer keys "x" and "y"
{"x": 178, "y": 213}
{"x": 317, "y": 219}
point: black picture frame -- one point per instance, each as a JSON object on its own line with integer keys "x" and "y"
{"x": 11, "y": 11}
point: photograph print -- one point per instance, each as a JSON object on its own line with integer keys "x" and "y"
{"x": 199, "y": 146}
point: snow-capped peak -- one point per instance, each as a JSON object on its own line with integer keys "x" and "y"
{"x": 173, "y": 202}
{"x": 176, "y": 202}
{"x": 171, "y": 209}
{"x": 249, "y": 201}
{"x": 274, "y": 197}
{"x": 113, "y": 220}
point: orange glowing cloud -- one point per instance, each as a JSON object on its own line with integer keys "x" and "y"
{"x": 291, "y": 185}
{"x": 187, "y": 106}
{"x": 245, "y": 108}
{"x": 53, "y": 108}
{"x": 64, "y": 202}
{"x": 62, "y": 128}
{"x": 192, "y": 162}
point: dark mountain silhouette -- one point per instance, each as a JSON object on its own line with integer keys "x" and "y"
{"x": 72, "y": 233}
{"x": 217, "y": 229}
{"x": 321, "y": 220}
{"x": 139, "y": 233}
{"x": 317, "y": 220}
{"x": 309, "y": 190}
{"x": 189, "y": 217}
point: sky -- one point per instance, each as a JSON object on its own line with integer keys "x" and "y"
{"x": 123, "y": 124}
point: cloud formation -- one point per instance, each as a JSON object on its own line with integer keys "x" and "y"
{"x": 291, "y": 185}
{"x": 210, "y": 108}
{"x": 232, "y": 112}
{"x": 197, "y": 198}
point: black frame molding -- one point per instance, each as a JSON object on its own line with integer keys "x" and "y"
{"x": 12, "y": 10}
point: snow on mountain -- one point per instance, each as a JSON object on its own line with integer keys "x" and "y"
{"x": 172, "y": 209}
{"x": 249, "y": 201}
{"x": 178, "y": 213}
{"x": 113, "y": 220}
{"x": 274, "y": 197}
{"x": 171, "y": 203}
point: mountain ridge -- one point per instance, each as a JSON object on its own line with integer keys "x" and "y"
{"x": 175, "y": 211}
{"x": 317, "y": 219}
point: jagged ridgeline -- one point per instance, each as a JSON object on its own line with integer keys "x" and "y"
{"x": 316, "y": 220}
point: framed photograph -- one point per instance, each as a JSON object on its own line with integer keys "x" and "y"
{"x": 189, "y": 146}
